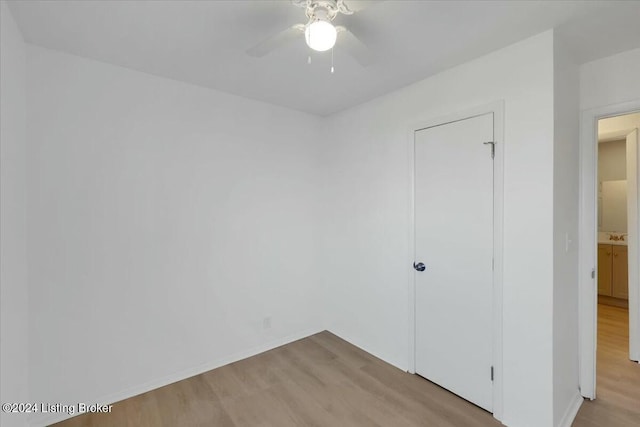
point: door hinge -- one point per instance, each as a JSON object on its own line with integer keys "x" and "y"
{"x": 593, "y": 273}
{"x": 492, "y": 373}
{"x": 493, "y": 148}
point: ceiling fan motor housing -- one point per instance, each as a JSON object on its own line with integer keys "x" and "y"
{"x": 319, "y": 32}
{"x": 323, "y": 9}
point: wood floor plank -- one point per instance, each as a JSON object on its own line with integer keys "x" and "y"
{"x": 261, "y": 408}
{"x": 617, "y": 401}
{"x": 306, "y": 410}
{"x": 141, "y": 410}
{"x": 349, "y": 354}
{"x": 323, "y": 381}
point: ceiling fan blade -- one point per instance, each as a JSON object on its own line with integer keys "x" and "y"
{"x": 276, "y": 41}
{"x": 358, "y": 50}
{"x": 359, "y": 5}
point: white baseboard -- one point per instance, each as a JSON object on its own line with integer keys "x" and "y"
{"x": 40, "y": 419}
{"x": 571, "y": 412}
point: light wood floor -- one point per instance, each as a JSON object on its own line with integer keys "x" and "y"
{"x": 317, "y": 381}
{"x": 617, "y": 401}
{"x": 325, "y": 381}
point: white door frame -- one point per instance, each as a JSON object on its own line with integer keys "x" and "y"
{"x": 497, "y": 108}
{"x": 588, "y": 294}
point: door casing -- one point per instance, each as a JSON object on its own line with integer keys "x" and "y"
{"x": 497, "y": 108}
{"x": 587, "y": 291}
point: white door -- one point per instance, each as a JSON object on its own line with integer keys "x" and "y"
{"x": 454, "y": 240}
{"x": 633, "y": 201}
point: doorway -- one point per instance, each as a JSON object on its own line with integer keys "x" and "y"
{"x": 609, "y": 241}
{"x": 456, "y": 300}
{"x": 617, "y": 264}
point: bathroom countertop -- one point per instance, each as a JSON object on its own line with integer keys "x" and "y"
{"x": 612, "y": 242}
{"x": 604, "y": 238}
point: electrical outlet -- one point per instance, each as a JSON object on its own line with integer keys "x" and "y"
{"x": 266, "y": 322}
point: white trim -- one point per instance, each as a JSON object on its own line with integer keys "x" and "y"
{"x": 40, "y": 419}
{"x": 572, "y": 411}
{"x": 411, "y": 330}
{"x": 633, "y": 199}
{"x": 497, "y": 108}
{"x": 498, "y": 248}
{"x": 587, "y": 291}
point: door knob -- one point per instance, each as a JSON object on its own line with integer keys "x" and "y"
{"x": 419, "y": 266}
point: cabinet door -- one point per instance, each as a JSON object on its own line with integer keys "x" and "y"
{"x": 604, "y": 270}
{"x": 620, "y": 276}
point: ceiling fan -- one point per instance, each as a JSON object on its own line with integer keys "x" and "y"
{"x": 319, "y": 32}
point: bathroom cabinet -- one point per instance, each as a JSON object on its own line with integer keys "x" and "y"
{"x": 613, "y": 276}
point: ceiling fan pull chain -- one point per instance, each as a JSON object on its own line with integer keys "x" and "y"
{"x": 309, "y": 59}
{"x": 332, "y": 69}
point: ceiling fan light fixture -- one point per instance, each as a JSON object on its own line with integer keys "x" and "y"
{"x": 320, "y": 35}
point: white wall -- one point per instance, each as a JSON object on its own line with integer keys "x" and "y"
{"x": 13, "y": 226}
{"x": 612, "y": 160}
{"x": 612, "y": 196}
{"x": 367, "y": 232}
{"x": 611, "y": 80}
{"x": 168, "y": 220}
{"x": 165, "y": 222}
{"x": 566, "y": 155}
{"x": 607, "y": 86}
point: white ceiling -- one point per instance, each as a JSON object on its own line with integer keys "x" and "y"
{"x": 204, "y": 42}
